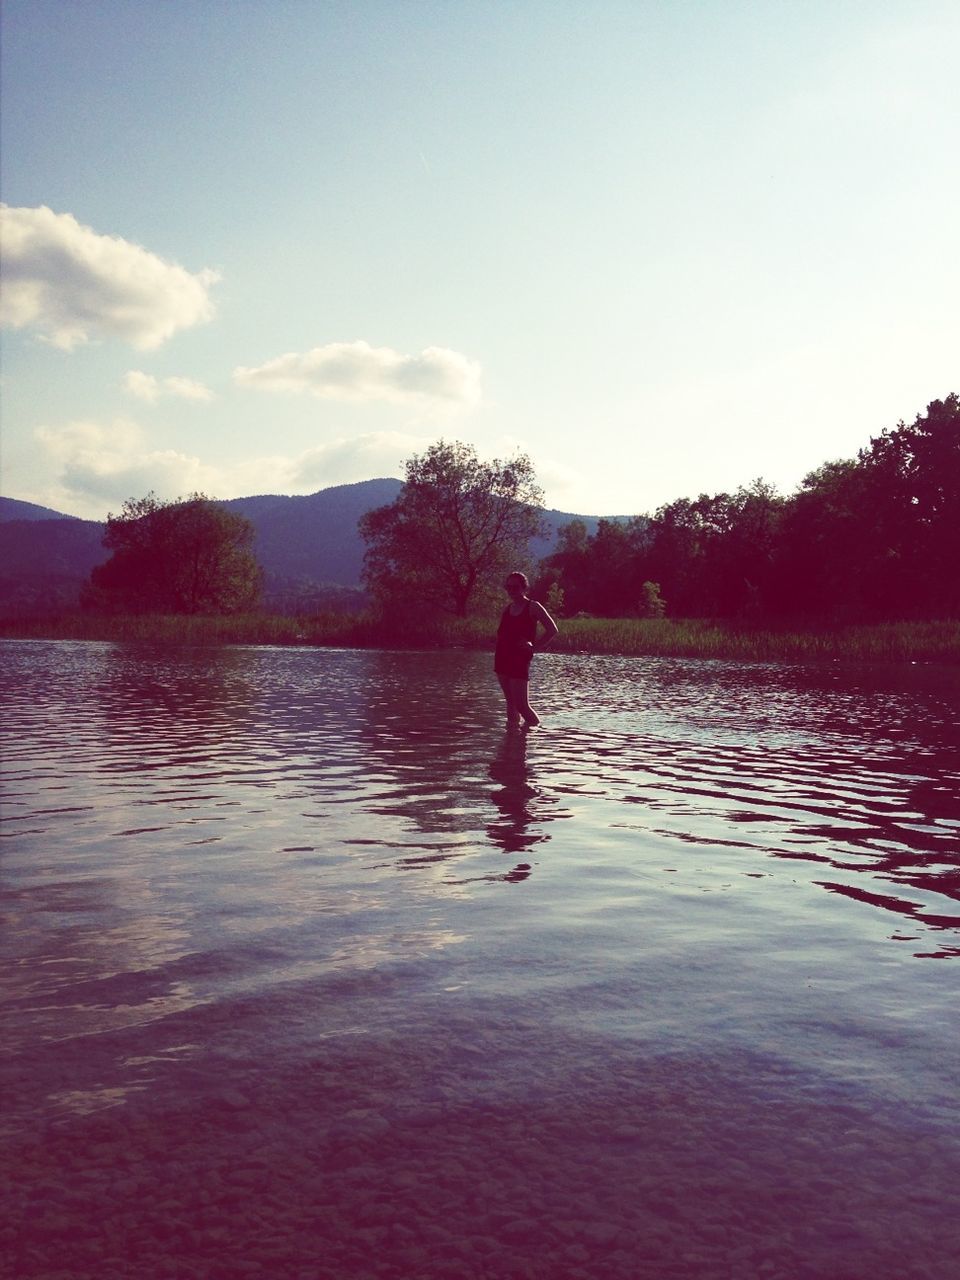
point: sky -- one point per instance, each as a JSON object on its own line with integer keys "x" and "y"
{"x": 664, "y": 248}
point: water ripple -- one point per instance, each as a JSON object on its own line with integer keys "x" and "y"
{"x": 269, "y": 914}
{"x": 344, "y": 807}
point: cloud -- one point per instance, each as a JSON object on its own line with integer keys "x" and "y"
{"x": 344, "y": 461}
{"x": 71, "y": 284}
{"x": 142, "y": 385}
{"x": 99, "y": 465}
{"x": 558, "y": 480}
{"x": 106, "y": 463}
{"x": 357, "y": 371}
{"x": 146, "y": 387}
{"x": 187, "y": 389}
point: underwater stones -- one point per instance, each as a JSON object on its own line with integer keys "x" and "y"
{"x": 359, "y": 1125}
{"x": 601, "y": 1233}
{"x": 518, "y": 1229}
{"x": 231, "y": 1100}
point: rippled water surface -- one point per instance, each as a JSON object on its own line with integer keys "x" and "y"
{"x": 310, "y": 970}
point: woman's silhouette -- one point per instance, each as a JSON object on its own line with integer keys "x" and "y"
{"x": 516, "y": 642}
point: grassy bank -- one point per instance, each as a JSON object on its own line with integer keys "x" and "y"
{"x": 888, "y": 642}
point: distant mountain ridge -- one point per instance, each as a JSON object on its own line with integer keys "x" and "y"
{"x": 309, "y": 546}
{"x": 314, "y": 537}
{"x": 14, "y": 509}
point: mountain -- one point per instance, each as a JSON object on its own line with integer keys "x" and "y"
{"x": 314, "y": 537}
{"x": 309, "y": 547}
{"x": 14, "y": 509}
{"x": 44, "y": 562}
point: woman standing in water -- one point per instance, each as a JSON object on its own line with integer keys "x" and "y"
{"x": 516, "y": 642}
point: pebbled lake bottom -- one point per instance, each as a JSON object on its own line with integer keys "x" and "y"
{"x": 309, "y": 970}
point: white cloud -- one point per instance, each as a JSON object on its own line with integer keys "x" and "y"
{"x": 147, "y": 387}
{"x": 106, "y": 463}
{"x": 99, "y": 465}
{"x": 357, "y": 371}
{"x": 558, "y": 481}
{"x": 71, "y": 284}
{"x": 344, "y": 461}
{"x": 142, "y": 385}
{"x": 187, "y": 389}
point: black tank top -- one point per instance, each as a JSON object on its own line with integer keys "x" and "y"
{"x": 515, "y": 628}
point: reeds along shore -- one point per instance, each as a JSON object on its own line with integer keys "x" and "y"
{"x": 885, "y": 642}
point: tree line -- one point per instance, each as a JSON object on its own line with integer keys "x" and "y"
{"x": 873, "y": 538}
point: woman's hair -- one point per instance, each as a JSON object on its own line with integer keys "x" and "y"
{"x": 517, "y": 576}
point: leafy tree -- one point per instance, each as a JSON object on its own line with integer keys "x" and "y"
{"x": 568, "y": 568}
{"x": 740, "y": 553}
{"x": 554, "y": 599}
{"x": 186, "y": 556}
{"x": 679, "y": 535}
{"x": 615, "y": 585}
{"x": 599, "y": 573}
{"x": 652, "y": 604}
{"x": 456, "y": 528}
{"x": 913, "y": 474}
{"x": 872, "y": 538}
{"x": 878, "y": 536}
{"x": 826, "y": 545}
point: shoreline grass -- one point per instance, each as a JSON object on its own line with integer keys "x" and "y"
{"x": 693, "y": 638}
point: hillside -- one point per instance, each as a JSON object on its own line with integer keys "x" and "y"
{"x": 14, "y": 509}
{"x": 44, "y": 562}
{"x": 311, "y": 552}
{"x": 314, "y": 537}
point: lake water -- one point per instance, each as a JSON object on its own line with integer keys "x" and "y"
{"x": 309, "y": 970}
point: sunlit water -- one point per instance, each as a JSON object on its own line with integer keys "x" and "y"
{"x": 310, "y": 970}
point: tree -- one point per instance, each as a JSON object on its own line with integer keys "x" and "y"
{"x": 714, "y": 555}
{"x": 599, "y": 573}
{"x": 878, "y": 536}
{"x": 652, "y": 603}
{"x": 827, "y": 546}
{"x": 679, "y": 535}
{"x": 456, "y": 528}
{"x": 740, "y": 553}
{"x": 568, "y": 568}
{"x": 614, "y": 586}
{"x": 914, "y": 474}
{"x": 186, "y": 556}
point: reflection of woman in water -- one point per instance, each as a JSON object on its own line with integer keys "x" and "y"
{"x": 516, "y": 830}
{"x": 516, "y": 642}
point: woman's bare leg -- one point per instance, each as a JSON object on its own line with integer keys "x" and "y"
{"x": 520, "y": 694}
{"x": 513, "y": 711}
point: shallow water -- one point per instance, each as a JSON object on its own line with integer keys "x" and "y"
{"x": 309, "y": 969}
